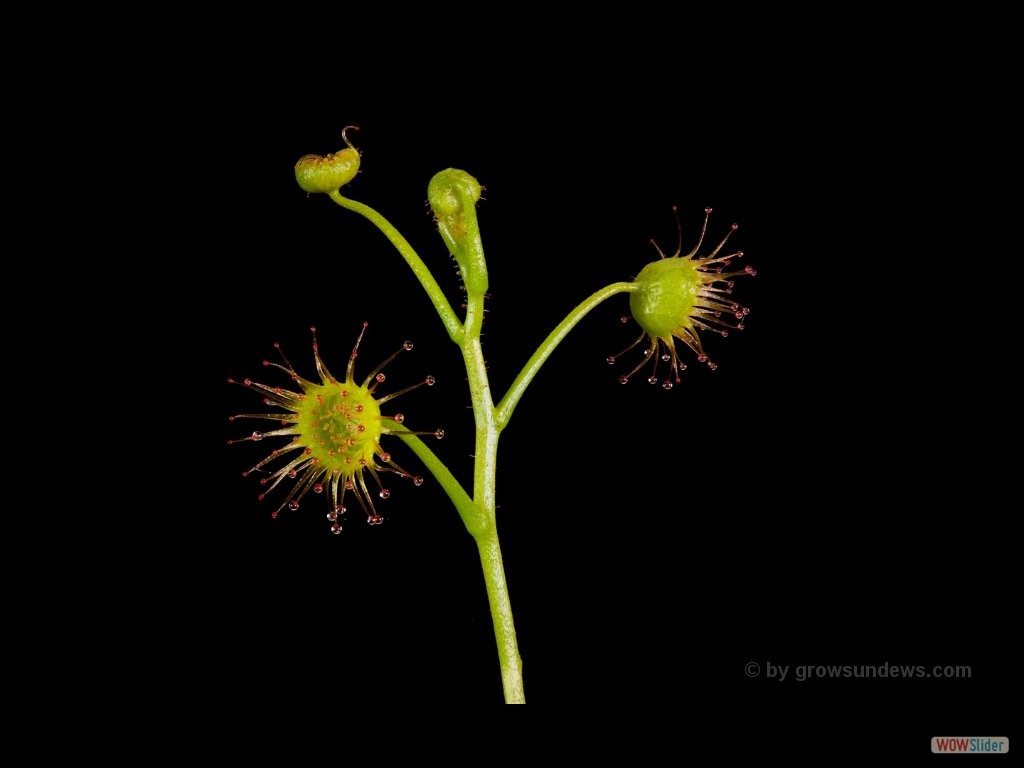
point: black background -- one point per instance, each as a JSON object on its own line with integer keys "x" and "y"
{"x": 827, "y": 496}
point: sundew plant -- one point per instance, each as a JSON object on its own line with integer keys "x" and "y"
{"x": 338, "y": 428}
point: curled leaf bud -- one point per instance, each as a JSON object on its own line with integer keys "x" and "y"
{"x": 449, "y": 189}
{"x": 328, "y": 173}
{"x": 453, "y": 195}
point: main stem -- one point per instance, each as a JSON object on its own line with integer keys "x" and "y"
{"x": 501, "y": 615}
{"x": 484, "y": 477}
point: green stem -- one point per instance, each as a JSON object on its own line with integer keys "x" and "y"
{"x": 515, "y": 392}
{"x": 501, "y": 617}
{"x": 434, "y": 292}
{"x": 463, "y": 239}
{"x": 472, "y": 516}
{"x": 484, "y": 494}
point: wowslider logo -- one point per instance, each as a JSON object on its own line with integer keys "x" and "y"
{"x": 968, "y": 745}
